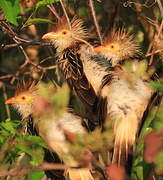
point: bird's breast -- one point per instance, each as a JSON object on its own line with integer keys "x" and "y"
{"x": 124, "y": 97}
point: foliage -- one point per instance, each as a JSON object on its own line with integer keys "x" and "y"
{"x": 45, "y": 2}
{"x": 19, "y": 150}
{"x": 22, "y": 24}
{"x": 36, "y": 21}
{"x": 11, "y": 10}
{"x": 157, "y": 85}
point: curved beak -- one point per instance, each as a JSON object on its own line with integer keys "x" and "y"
{"x": 50, "y": 35}
{"x": 10, "y": 101}
{"x": 99, "y": 49}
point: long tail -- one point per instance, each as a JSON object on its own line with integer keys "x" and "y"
{"x": 125, "y": 130}
{"x": 80, "y": 174}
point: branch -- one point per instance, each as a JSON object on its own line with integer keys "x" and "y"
{"x": 160, "y": 7}
{"x": 19, "y": 42}
{"x": 155, "y": 52}
{"x": 156, "y": 38}
{"x": 5, "y": 98}
{"x": 43, "y": 166}
{"x": 66, "y": 15}
{"x": 7, "y": 46}
{"x": 91, "y": 6}
{"x": 53, "y": 10}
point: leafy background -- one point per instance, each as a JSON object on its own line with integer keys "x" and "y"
{"x": 23, "y": 54}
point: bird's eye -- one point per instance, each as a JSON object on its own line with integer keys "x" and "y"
{"x": 64, "y": 32}
{"x": 23, "y": 98}
{"x": 112, "y": 46}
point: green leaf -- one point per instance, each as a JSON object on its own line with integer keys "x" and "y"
{"x": 36, "y": 175}
{"x": 9, "y": 126}
{"x": 11, "y": 9}
{"x": 59, "y": 97}
{"x": 45, "y": 2}
{"x": 24, "y": 148}
{"x": 33, "y": 151}
{"x": 159, "y": 162}
{"x": 37, "y": 21}
{"x": 36, "y": 139}
{"x": 141, "y": 69}
{"x": 139, "y": 167}
{"x": 157, "y": 85}
{"x": 157, "y": 123}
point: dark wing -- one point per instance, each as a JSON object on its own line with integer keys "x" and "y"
{"x": 72, "y": 68}
{"x": 107, "y": 80}
{"x": 31, "y": 129}
{"x": 50, "y": 157}
{"x": 102, "y": 109}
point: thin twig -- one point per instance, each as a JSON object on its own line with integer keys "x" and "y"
{"x": 50, "y": 67}
{"x": 66, "y": 15}
{"x": 8, "y": 76}
{"x": 160, "y": 7}
{"x": 6, "y": 105}
{"x": 52, "y": 166}
{"x": 19, "y": 42}
{"x": 46, "y": 59}
{"x": 7, "y": 46}
{"x": 53, "y": 10}
{"x": 91, "y": 6}
{"x": 44, "y": 166}
{"x": 155, "y": 52}
{"x": 155, "y": 40}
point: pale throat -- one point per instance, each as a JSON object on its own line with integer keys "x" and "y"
{"x": 63, "y": 43}
{"x": 24, "y": 109}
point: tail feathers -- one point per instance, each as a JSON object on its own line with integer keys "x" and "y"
{"x": 80, "y": 174}
{"x": 125, "y": 130}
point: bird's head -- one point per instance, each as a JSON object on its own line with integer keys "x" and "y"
{"x": 24, "y": 98}
{"x": 118, "y": 46}
{"x": 65, "y": 35}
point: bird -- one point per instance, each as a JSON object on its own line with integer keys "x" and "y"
{"x": 79, "y": 63}
{"x": 102, "y": 66}
{"x": 128, "y": 93}
{"x": 52, "y": 129}
{"x": 23, "y": 103}
{"x": 119, "y": 46}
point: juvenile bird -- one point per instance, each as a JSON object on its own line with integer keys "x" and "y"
{"x": 118, "y": 47}
{"x": 23, "y": 102}
{"x": 53, "y": 130}
{"x": 69, "y": 41}
{"x": 81, "y": 66}
{"x": 127, "y": 95}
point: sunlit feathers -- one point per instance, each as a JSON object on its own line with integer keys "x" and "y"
{"x": 119, "y": 46}
{"x": 64, "y": 36}
{"x": 24, "y": 98}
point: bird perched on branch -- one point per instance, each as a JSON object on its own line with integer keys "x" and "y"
{"x": 52, "y": 129}
{"x": 78, "y": 62}
{"x": 128, "y": 94}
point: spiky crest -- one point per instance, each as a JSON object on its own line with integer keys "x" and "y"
{"x": 77, "y": 29}
{"x": 121, "y": 46}
{"x": 29, "y": 86}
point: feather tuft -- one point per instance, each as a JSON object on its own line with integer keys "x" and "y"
{"x": 29, "y": 86}
{"x": 80, "y": 174}
{"x": 125, "y": 129}
{"x": 118, "y": 46}
{"x": 77, "y": 29}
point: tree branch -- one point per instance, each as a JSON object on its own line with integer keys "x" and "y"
{"x": 91, "y": 6}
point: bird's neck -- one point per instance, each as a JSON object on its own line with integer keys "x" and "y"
{"x": 63, "y": 45}
{"x": 25, "y": 110}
